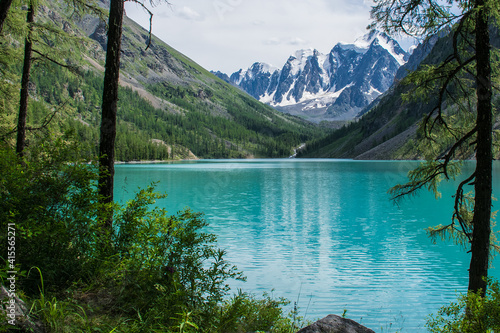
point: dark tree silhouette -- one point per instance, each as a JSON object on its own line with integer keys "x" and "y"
{"x": 23, "y": 105}
{"x": 4, "y": 9}
{"x": 110, "y": 107}
{"x": 469, "y": 59}
{"x": 110, "y": 104}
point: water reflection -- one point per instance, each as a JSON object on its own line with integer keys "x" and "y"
{"x": 322, "y": 233}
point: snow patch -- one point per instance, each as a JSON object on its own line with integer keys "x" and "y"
{"x": 267, "y": 68}
{"x": 390, "y": 46}
{"x": 363, "y": 43}
{"x": 321, "y": 99}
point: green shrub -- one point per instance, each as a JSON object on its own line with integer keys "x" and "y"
{"x": 166, "y": 262}
{"x": 154, "y": 273}
{"x": 470, "y": 314}
{"x": 52, "y": 205}
{"x": 247, "y": 313}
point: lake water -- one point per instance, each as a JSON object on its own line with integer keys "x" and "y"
{"x": 322, "y": 233}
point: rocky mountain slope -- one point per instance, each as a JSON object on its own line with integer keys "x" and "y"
{"x": 169, "y": 106}
{"x": 333, "y": 86}
{"x": 388, "y": 127}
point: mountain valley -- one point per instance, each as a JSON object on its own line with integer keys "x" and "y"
{"x": 169, "y": 108}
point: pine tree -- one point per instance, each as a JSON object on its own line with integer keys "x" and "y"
{"x": 465, "y": 70}
{"x": 4, "y": 9}
{"x": 23, "y": 104}
{"x": 110, "y": 106}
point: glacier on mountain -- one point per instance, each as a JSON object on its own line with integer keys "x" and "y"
{"x": 332, "y": 86}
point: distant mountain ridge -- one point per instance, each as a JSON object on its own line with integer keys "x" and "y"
{"x": 388, "y": 127}
{"x": 333, "y": 86}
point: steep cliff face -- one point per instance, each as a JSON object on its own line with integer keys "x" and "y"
{"x": 333, "y": 86}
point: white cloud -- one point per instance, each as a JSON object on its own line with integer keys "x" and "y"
{"x": 228, "y": 35}
{"x": 297, "y": 41}
{"x": 188, "y": 13}
{"x": 272, "y": 41}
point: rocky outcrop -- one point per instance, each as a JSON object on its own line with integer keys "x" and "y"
{"x": 100, "y": 35}
{"x": 17, "y": 314}
{"x": 335, "y": 324}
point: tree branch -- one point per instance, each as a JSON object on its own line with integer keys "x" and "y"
{"x": 150, "y": 21}
{"x": 48, "y": 119}
{"x": 457, "y": 145}
{"x": 459, "y": 31}
{"x": 400, "y": 191}
{"x": 73, "y": 69}
{"x": 459, "y": 196}
{"x": 89, "y": 8}
{"x": 442, "y": 92}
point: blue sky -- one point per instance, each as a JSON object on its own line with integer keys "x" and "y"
{"x": 227, "y": 35}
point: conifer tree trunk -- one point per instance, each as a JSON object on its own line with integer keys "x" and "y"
{"x": 483, "y": 185}
{"x": 23, "y": 104}
{"x": 109, "y": 106}
{"x": 4, "y": 9}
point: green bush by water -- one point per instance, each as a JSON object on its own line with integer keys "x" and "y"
{"x": 470, "y": 314}
{"x": 155, "y": 272}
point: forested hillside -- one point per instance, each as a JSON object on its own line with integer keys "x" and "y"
{"x": 74, "y": 260}
{"x": 389, "y": 127}
{"x": 169, "y": 107}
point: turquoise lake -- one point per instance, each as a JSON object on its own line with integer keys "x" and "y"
{"x": 322, "y": 233}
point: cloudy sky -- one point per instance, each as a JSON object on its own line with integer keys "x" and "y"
{"x": 227, "y": 35}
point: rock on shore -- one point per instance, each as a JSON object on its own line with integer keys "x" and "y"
{"x": 335, "y": 324}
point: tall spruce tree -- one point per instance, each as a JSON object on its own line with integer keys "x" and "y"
{"x": 466, "y": 69}
{"x": 4, "y": 9}
{"x": 110, "y": 104}
{"x": 24, "y": 94}
{"x": 81, "y": 7}
{"x": 110, "y": 107}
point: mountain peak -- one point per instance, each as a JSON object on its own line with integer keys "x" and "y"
{"x": 327, "y": 86}
{"x": 375, "y": 37}
{"x": 366, "y": 40}
{"x": 305, "y": 53}
{"x": 263, "y": 67}
{"x": 362, "y": 44}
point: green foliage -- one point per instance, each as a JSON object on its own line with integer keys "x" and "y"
{"x": 470, "y": 314}
{"x": 427, "y": 175}
{"x": 246, "y": 313}
{"x": 161, "y": 272}
{"x": 52, "y": 313}
{"x": 167, "y": 259}
{"x": 52, "y": 204}
{"x": 453, "y": 231}
{"x": 185, "y": 323}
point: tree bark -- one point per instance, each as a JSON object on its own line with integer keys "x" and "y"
{"x": 109, "y": 107}
{"x": 24, "y": 95}
{"x": 480, "y": 247}
{"x": 4, "y": 9}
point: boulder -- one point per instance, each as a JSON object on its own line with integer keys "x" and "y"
{"x": 17, "y": 314}
{"x": 335, "y": 324}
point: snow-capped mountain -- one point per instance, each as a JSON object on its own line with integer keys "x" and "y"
{"x": 332, "y": 86}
